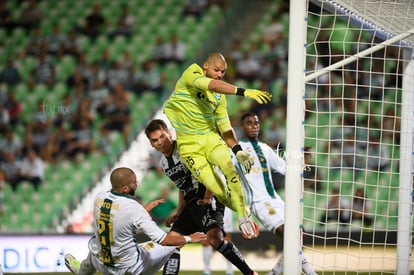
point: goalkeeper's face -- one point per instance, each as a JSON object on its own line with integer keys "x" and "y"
{"x": 215, "y": 70}
{"x": 161, "y": 140}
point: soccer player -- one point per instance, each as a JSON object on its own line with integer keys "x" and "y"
{"x": 195, "y": 211}
{"x": 197, "y": 110}
{"x": 117, "y": 219}
{"x": 263, "y": 199}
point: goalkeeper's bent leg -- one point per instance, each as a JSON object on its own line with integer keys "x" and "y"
{"x": 220, "y": 156}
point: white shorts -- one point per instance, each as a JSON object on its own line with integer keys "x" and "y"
{"x": 270, "y": 213}
{"x": 151, "y": 258}
{"x": 228, "y": 220}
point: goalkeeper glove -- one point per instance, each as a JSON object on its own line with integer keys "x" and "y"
{"x": 245, "y": 160}
{"x": 260, "y": 96}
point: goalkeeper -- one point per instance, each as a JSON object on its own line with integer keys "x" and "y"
{"x": 196, "y": 109}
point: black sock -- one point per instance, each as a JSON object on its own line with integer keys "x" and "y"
{"x": 231, "y": 253}
{"x": 172, "y": 266}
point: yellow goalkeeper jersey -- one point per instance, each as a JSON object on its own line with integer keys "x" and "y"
{"x": 192, "y": 108}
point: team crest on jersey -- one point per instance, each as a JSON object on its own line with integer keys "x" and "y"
{"x": 197, "y": 172}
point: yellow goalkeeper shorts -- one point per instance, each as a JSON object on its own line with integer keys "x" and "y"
{"x": 201, "y": 153}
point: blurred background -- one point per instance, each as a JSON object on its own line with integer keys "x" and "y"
{"x": 79, "y": 81}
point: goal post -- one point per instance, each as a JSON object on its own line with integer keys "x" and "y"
{"x": 354, "y": 113}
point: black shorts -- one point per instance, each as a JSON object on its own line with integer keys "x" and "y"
{"x": 199, "y": 218}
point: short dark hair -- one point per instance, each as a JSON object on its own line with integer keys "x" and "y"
{"x": 246, "y": 115}
{"x": 154, "y": 125}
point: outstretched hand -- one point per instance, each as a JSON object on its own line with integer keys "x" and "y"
{"x": 198, "y": 237}
{"x": 151, "y": 205}
{"x": 261, "y": 97}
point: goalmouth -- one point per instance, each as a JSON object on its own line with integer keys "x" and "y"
{"x": 354, "y": 113}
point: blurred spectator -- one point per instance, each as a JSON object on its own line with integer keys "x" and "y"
{"x": 174, "y": 51}
{"x": 117, "y": 73}
{"x": 338, "y": 209}
{"x": 378, "y": 158}
{"x": 272, "y": 31}
{"x": 126, "y": 61}
{"x": 82, "y": 69}
{"x": 70, "y": 229}
{"x": 6, "y": 17}
{"x": 76, "y": 80}
{"x": 82, "y": 141}
{"x": 349, "y": 156}
{"x": 236, "y": 52}
{"x": 274, "y": 134}
{"x": 83, "y": 112}
{"x": 104, "y": 140}
{"x": 340, "y": 130}
{"x": 44, "y": 71}
{"x": 311, "y": 180}
{"x": 13, "y": 107}
{"x": 31, "y": 16}
{"x": 95, "y": 72}
{"x": 360, "y": 208}
{"x": 2, "y": 187}
{"x": 71, "y": 44}
{"x": 36, "y": 43}
{"x": 11, "y": 170}
{"x": 10, "y": 74}
{"x": 97, "y": 95}
{"x": 59, "y": 141}
{"x": 38, "y": 131}
{"x": 124, "y": 23}
{"x": 195, "y": 8}
{"x": 248, "y": 66}
{"x": 148, "y": 79}
{"x": 391, "y": 125}
{"x": 10, "y": 143}
{"x": 67, "y": 107}
{"x": 154, "y": 162}
{"x": 4, "y": 119}
{"x": 55, "y": 41}
{"x": 117, "y": 116}
{"x": 32, "y": 169}
{"x": 94, "y": 22}
{"x": 158, "y": 50}
{"x": 105, "y": 62}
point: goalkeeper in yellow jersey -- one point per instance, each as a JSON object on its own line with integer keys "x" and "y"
{"x": 197, "y": 110}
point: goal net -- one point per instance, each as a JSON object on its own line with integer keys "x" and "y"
{"x": 358, "y": 98}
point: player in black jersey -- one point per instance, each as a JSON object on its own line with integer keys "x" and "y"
{"x": 196, "y": 210}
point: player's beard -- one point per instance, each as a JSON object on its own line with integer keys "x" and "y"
{"x": 131, "y": 192}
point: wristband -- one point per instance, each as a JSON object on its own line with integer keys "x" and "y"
{"x": 236, "y": 148}
{"x": 240, "y": 91}
{"x": 187, "y": 239}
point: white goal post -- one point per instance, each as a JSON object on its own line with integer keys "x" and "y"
{"x": 354, "y": 113}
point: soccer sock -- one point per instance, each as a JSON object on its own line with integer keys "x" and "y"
{"x": 237, "y": 199}
{"x": 207, "y": 253}
{"x": 278, "y": 268}
{"x": 306, "y": 267}
{"x": 229, "y": 268}
{"x": 232, "y": 254}
{"x": 172, "y": 266}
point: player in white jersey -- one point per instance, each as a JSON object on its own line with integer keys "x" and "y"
{"x": 258, "y": 187}
{"x": 118, "y": 217}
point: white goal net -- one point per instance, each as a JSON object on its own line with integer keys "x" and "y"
{"x": 358, "y": 98}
